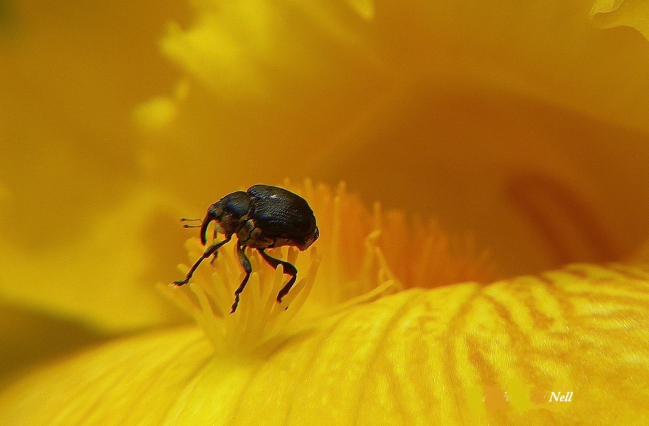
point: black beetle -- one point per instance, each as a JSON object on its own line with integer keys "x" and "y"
{"x": 263, "y": 217}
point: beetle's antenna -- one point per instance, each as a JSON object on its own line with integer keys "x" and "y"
{"x": 184, "y": 219}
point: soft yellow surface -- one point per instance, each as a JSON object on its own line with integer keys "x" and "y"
{"x": 521, "y": 124}
{"x": 415, "y": 358}
{"x": 622, "y": 13}
{"x": 92, "y": 279}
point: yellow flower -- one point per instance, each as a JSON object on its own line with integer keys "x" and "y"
{"x": 462, "y": 353}
{"x": 521, "y": 124}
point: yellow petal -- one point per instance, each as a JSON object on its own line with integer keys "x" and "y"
{"x": 69, "y": 80}
{"x": 68, "y": 169}
{"x": 625, "y": 13}
{"x": 442, "y": 356}
{"x": 488, "y": 101}
{"x": 364, "y": 8}
{"x": 104, "y": 277}
{"x": 29, "y": 337}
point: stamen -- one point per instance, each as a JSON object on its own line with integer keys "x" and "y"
{"x": 360, "y": 256}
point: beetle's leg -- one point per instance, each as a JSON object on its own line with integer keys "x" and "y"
{"x": 245, "y": 262}
{"x": 211, "y": 250}
{"x": 214, "y": 256}
{"x": 288, "y": 269}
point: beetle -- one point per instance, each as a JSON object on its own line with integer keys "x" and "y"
{"x": 262, "y": 217}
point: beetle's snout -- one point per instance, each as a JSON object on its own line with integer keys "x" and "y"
{"x": 204, "y": 225}
{"x": 214, "y": 213}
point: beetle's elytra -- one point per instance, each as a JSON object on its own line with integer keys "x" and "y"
{"x": 262, "y": 217}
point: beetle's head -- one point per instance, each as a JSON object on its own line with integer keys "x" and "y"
{"x": 228, "y": 214}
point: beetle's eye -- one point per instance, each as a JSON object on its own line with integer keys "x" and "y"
{"x": 238, "y": 204}
{"x": 215, "y": 212}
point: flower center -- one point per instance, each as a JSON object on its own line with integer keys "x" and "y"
{"x": 359, "y": 257}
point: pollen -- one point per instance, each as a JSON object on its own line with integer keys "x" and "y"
{"x": 361, "y": 255}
